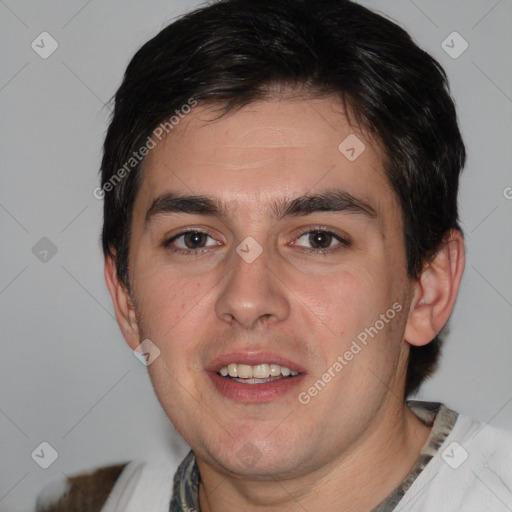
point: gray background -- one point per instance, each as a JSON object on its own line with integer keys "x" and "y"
{"x": 67, "y": 376}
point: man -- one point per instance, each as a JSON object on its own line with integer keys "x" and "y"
{"x": 282, "y": 244}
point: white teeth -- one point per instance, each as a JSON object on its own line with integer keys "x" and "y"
{"x": 261, "y": 371}
{"x": 245, "y": 371}
{"x": 285, "y": 371}
{"x": 252, "y": 381}
{"x": 275, "y": 370}
{"x": 232, "y": 370}
{"x": 258, "y": 371}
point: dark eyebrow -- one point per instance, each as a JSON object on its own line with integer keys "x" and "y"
{"x": 328, "y": 201}
{"x": 173, "y": 202}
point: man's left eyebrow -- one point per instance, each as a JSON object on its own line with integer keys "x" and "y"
{"x": 328, "y": 201}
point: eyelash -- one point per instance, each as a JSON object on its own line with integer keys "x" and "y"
{"x": 197, "y": 252}
{"x": 189, "y": 252}
{"x": 343, "y": 243}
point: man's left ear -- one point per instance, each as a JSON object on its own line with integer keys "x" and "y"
{"x": 436, "y": 291}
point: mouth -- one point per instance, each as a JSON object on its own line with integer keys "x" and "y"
{"x": 256, "y": 374}
{"x": 253, "y": 383}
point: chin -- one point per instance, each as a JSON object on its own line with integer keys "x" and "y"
{"x": 257, "y": 456}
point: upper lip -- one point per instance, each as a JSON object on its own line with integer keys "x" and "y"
{"x": 251, "y": 359}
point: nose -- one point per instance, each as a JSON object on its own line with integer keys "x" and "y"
{"x": 252, "y": 294}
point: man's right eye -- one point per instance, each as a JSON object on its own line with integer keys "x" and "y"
{"x": 189, "y": 241}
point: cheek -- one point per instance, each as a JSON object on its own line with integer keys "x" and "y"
{"x": 345, "y": 300}
{"x": 349, "y": 308}
{"x": 168, "y": 302}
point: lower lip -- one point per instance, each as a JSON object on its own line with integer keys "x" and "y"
{"x": 264, "y": 392}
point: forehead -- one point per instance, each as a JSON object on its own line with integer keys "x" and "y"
{"x": 267, "y": 150}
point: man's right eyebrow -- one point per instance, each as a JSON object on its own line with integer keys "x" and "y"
{"x": 172, "y": 202}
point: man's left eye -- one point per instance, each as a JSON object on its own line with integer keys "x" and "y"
{"x": 319, "y": 239}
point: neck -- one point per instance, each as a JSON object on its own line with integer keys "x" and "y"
{"x": 357, "y": 480}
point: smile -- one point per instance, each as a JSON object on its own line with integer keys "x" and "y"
{"x": 255, "y": 374}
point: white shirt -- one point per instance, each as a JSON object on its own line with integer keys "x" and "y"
{"x": 467, "y": 468}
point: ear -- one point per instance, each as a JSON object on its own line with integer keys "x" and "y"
{"x": 435, "y": 291}
{"x": 123, "y": 305}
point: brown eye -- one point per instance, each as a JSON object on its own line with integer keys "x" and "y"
{"x": 320, "y": 239}
{"x": 190, "y": 241}
{"x": 194, "y": 239}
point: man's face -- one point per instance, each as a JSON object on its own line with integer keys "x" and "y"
{"x": 301, "y": 303}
